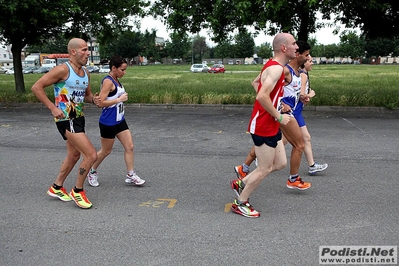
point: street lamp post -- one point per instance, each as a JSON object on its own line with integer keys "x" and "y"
{"x": 91, "y": 50}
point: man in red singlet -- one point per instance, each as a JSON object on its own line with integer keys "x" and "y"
{"x": 264, "y": 125}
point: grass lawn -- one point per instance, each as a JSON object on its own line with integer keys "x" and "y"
{"x": 335, "y": 85}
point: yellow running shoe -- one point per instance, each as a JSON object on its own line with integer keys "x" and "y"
{"x": 59, "y": 193}
{"x": 80, "y": 199}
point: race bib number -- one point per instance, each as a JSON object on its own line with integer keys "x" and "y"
{"x": 120, "y": 112}
{"x": 279, "y": 106}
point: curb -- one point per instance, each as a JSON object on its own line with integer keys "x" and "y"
{"x": 308, "y": 109}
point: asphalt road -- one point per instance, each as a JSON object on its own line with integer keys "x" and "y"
{"x": 181, "y": 216}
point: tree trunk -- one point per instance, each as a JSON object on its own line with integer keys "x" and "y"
{"x": 16, "y": 50}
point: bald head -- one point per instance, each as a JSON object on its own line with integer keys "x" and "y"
{"x": 78, "y": 51}
{"x": 75, "y": 44}
{"x": 281, "y": 39}
{"x": 284, "y": 47}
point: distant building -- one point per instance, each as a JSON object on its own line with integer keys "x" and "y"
{"x": 389, "y": 60}
{"x": 159, "y": 40}
{"x": 6, "y": 59}
{"x": 94, "y": 58}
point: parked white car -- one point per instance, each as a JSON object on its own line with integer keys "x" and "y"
{"x": 10, "y": 71}
{"x": 199, "y": 68}
{"x": 3, "y": 70}
{"x": 104, "y": 69}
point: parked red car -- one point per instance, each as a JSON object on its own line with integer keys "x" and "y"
{"x": 217, "y": 68}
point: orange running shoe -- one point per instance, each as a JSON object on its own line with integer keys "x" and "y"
{"x": 298, "y": 184}
{"x": 240, "y": 173}
{"x": 59, "y": 193}
{"x": 80, "y": 199}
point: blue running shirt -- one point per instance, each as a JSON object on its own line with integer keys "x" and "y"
{"x": 292, "y": 90}
{"x": 114, "y": 114}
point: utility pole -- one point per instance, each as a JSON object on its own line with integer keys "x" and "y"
{"x": 192, "y": 51}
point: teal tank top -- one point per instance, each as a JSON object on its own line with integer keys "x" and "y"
{"x": 70, "y": 94}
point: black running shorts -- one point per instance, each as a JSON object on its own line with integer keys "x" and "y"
{"x": 75, "y": 125}
{"x": 269, "y": 141}
{"x": 109, "y": 132}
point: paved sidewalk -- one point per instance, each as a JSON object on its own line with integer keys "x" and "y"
{"x": 181, "y": 216}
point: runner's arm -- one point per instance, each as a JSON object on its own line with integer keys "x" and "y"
{"x": 270, "y": 77}
{"x": 255, "y": 83}
{"x": 106, "y": 88}
{"x": 55, "y": 75}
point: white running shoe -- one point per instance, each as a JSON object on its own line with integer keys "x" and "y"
{"x": 93, "y": 179}
{"x": 317, "y": 168}
{"x": 134, "y": 179}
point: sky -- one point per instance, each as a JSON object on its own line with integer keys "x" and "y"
{"x": 323, "y": 36}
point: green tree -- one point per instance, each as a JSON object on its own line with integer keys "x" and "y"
{"x": 244, "y": 44}
{"x": 380, "y": 47}
{"x": 27, "y": 22}
{"x": 330, "y": 50}
{"x": 312, "y": 42}
{"x": 297, "y": 17}
{"x": 318, "y": 50}
{"x": 199, "y": 48}
{"x": 351, "y": 45}
{"x": 55, "y": 45}
{"x": 265, "y": 51}
{"x": 125, "y": 45}
{"x": 396, "y": 50}
{"x": 148, "y": 47}
{"x": 132, "y": 44}
{"x": 376, "y": 18}
{"x": 30, "y": 22}
{"x": 162, "y": 52}
{"x": 179, "y": 46}
{"x": 223, "y": 49}
{"x": 223, "y": 17}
